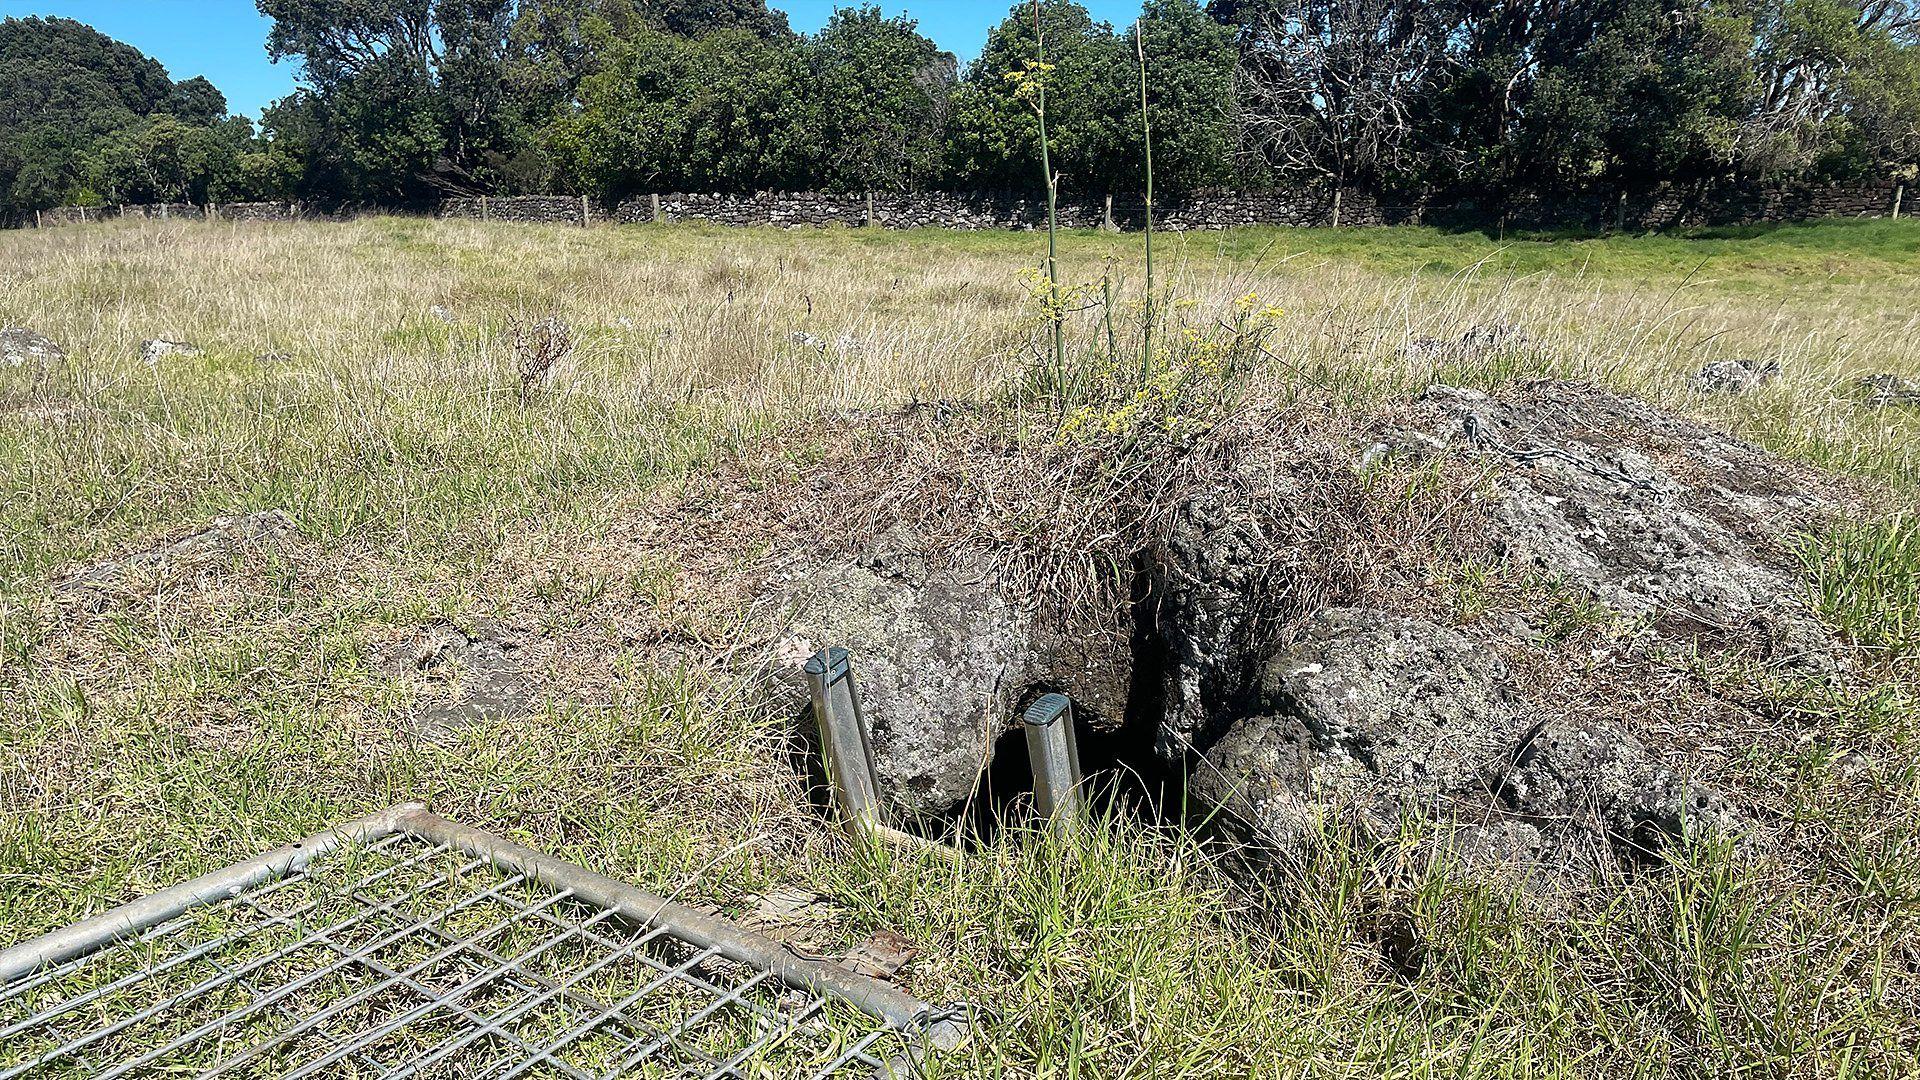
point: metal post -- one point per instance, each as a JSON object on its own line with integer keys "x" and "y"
{"x": 1055, "y": 759}
{"x": 843, "y": 738}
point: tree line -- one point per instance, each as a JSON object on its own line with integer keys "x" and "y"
{"x": 1455, "y": 101}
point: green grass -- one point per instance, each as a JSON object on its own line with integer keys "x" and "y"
{"x": 186, "y": 720}
{"x": 1867, "y": 578}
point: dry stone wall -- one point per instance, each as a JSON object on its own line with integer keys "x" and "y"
{"x": 1679, "y": 208}
{"x": 978, "y": 210}
{"x": 257, "y": 211}
{"x": 955, "y": 210}
{"x": 538, "y": 209}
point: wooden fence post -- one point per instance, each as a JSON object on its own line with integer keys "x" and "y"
{"x": 1106, "y": 220}
{"x": 586, "y": 217}
{"x": 486, "y": 214}
{"x": 36, "y": 220}
{"x": 1899, "y": 191}
{"x": 871, "y": 220}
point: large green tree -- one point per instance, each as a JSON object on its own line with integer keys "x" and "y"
{"x": 882, "y": 90}
{"x": 726, "y": 112}
{"x": 698, "y": 18}
{"x": 994, "y": 139}
{"x": 404, "y": 99}
{"x": 65, "y": 87}
{"x": 1190, "y": 65}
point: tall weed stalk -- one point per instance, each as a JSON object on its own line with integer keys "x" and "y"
{"x": 1146, "y": 130}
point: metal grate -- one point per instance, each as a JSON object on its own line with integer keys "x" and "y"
{"x": 406, "y": 946}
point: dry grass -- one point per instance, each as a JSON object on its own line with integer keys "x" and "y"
{"x": 185, "y": 716}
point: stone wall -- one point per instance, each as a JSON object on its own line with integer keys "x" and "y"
{"x": 543, "y": 209}
{"x": 952, "y": 210}
{"x": 257, "y": 211}
{"x": 245, "y": 211}
{"x": 1681, "y": 208}
{"x": 1208, "y": 210}
{"x": 74, "y": 215}
{"x": 164, "y": 211}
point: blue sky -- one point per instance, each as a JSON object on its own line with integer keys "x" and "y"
{"x": 225, "y": 40}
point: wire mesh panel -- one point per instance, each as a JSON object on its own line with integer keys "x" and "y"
{"x": 410, "y": 956}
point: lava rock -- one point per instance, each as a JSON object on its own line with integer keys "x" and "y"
{"x": 1734, "y": 376}
{"x": 154, "y": 349}
{"x": 943, "y": 654}
{"x": 223, "y": 537}
{"x": 1374, "y": 722}
{"x": 1679, "y": 551}
{"x": 1884, "y": 390}
{"x": 1585, "y": 777}
{"x": 477, "y": 673}
{"x": 1366, "y": 716}
{"x": 20, "y": 346}
{"x": 1207, "y": 573}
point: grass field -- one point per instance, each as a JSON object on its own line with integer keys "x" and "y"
{"x": 359, "y": 377}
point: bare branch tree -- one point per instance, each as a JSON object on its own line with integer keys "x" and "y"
{"x": 1330, "y": 90}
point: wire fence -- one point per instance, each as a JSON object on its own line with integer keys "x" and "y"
{"x": 411, "y": 956}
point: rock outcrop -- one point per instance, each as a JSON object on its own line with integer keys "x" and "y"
{"x": 1653, "y": 516}
{"x": 222, "y": 538}
{"x": 1294, "y": 644}
{"x": 1884, "y": 390}
{"x": 469, "y": 674}
{"x": 1369, "y": 719}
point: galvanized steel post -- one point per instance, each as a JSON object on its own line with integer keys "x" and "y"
{"x": 843, "y": 738}
{"x": 1055, "y": 759}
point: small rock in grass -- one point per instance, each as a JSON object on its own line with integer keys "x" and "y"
{"x": 152, "y": 349}
{"x": 882, "y": 956}
{"x": 1734, "y": 376}
{"x": 480, "y": 673}
{"x": 1885, "y": 390}
{"x": 20, "y": 346}
{"x": 221, "y": 537}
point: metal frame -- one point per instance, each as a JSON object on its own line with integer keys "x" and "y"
{"x": 454, "y": 987}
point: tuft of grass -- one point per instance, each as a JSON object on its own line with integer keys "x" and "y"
{"x": 1867, "y": 580}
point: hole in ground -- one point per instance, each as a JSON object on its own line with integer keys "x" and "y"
{"x": 1125, "y": 773}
